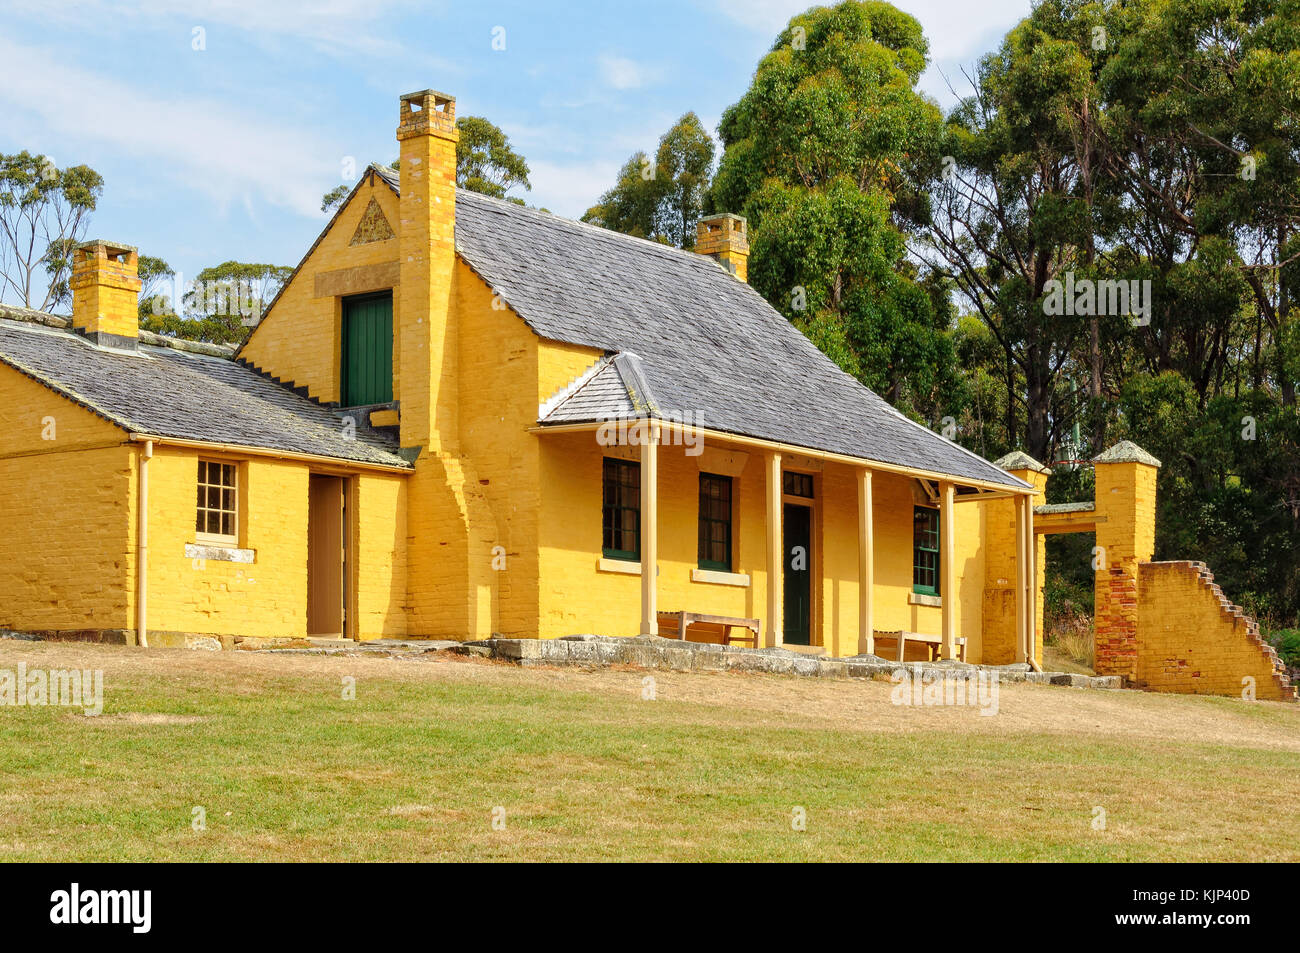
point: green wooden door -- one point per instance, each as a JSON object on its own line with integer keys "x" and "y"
{"x": 368, "y": 350}
{"x": 798, "y": 574}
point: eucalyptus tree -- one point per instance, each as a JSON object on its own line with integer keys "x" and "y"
{"x": 828, "y": 155}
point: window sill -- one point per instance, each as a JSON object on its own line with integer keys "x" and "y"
{"x": 627, "y": 567}
{"x": 720, "y": 578}
{"x": 219, "y": 553}
{"x": 924, "y": 599}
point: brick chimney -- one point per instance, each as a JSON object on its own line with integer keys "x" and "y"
{"x": 426, "y": 336}
{"x": 725, "y": 239}
{"x": 105, "y": 293}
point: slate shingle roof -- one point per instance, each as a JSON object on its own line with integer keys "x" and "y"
{"x": 164, "y": 392}
{"x": 709, "y": 345}
{"x": 613, "y": 388}
{"x": 681, "y": 333}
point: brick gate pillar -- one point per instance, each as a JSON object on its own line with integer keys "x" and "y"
{"x": 1126, "y": 536}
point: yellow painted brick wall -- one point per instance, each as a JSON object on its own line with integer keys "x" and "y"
{"x": 268, "y": 597}
{"x": 378, "y": 532}
{"x": 576, "y": 597}
{"x": 499, "y": 357}
{"x": 999, "y": 611}
{"x": 1191, "y": 639}
{"x": 481, "y": 490}
{"x": 999, "y": 636}
{"x": 298, "y": 340}
{"x": 892, "y": 521}
{"x": 64, "y": 509}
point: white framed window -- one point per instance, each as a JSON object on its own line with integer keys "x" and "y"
{"x": 217, "y": 516}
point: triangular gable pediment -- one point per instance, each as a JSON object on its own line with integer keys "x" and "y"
{"x": 373, "y": 226}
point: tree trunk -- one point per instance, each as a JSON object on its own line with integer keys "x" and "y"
{"x": 1038, "y": 400}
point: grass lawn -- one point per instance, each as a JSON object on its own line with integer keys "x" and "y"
{"x": 583, "y": 768}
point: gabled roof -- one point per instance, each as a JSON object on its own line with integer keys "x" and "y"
{"x": 613, "y": 388}
{"x": 711, "y": 349}
{"x": 168, "y": 392}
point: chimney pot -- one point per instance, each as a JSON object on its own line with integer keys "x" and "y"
{"x": 427, "y": 112}
{"x": 725, "y": 239}
{"x": 105, "y": 293}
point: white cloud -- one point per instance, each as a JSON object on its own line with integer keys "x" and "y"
{"x": 623, "y": 73}
{"x": 569, "y": 190}
{"x": 337, "y": 27}
{"x": 763, "y": 16}
{"x": 228, "y": 154}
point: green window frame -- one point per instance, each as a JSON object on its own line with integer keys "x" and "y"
{"x": 925, "y": 550}
{"x": 715, "y": 522}
{"x": 621, "y": 510}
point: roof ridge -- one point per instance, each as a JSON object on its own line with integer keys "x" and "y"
{"x": 552, "y": 218}
{"x": 631, "y": 371}
{"x": 58, "y": 322}
{"x": 387, "y": 174}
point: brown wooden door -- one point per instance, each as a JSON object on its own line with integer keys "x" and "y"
{"x": 325, "y": 556}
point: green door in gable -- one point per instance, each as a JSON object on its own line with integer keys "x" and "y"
{"x": 368, "y": 350}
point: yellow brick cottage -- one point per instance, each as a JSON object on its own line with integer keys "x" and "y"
{"x": 463, "y": 418}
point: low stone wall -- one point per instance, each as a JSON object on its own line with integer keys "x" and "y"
{"x": 651, "y": 652}
{"x": 95, "y": 636}
{"x": 646, "y": 652}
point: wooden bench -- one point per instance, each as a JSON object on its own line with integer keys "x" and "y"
{"x": 722, "y": 625}
{"x": 933, "y": 643}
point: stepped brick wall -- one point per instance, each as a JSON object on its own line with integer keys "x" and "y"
{"x": 1191, "y": 638}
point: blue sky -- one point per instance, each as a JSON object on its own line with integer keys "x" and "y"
{"x": 223, "y": 151}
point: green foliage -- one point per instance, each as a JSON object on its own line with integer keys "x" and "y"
{"x": 485, "y": 163}
{"x": 44, "y": 211}
{"x": 1228, "y": 495}
{"x": 154, "y": 273}
{"x": 661, "y": 198}
{"x": 824, "y": 156}
{"x": 1287, "y": 643}
{"x": 221, "y": 307}
{"x": 334, "y": 198}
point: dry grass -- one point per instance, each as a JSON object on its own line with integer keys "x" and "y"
{"x": 1071, "y": 639}
{"x": 584, "y": 768}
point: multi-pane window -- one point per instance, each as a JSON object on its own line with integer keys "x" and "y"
{"x": 622, "y": 509}
{"x": 217, "y": 517}
{"x": 925, "y": 550}
{"x": 797, "y": 484}
{"x": 715, "y": 522}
